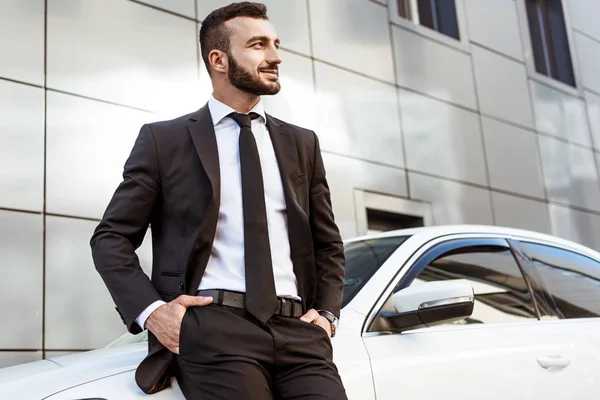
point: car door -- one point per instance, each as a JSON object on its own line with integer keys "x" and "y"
{"x": 493, "y": 354}
{"x": 571, "y": 283}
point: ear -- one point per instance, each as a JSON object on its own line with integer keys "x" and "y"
{"x": 218, "y": 61}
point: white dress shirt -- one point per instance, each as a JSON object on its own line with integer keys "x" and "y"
{"x": 226, "y": 266}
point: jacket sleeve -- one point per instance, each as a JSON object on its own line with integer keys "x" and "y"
{"x": 327, "y": 243}
{"x": 122, "y": 230}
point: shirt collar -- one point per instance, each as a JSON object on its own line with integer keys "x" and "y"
{"x": 219, "y": 110}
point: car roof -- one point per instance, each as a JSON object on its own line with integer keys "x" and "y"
{"x": 432, "y": 232}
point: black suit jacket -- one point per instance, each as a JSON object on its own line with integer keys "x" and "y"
{"x": 171, "y": 182}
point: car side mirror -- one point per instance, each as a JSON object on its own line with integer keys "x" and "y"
{"x": 429, "y": 304}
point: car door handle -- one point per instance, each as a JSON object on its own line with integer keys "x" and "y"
{"x": 553, "y": 361}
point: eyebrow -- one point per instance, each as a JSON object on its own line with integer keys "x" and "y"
{"x": 262, "y": 38}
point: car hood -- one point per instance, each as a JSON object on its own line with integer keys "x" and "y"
{"x": 40, "y": 379}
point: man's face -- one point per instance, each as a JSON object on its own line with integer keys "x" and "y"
{"x": 253, "y": 57}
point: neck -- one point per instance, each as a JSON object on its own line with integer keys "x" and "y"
{"x": 239, "y": 100}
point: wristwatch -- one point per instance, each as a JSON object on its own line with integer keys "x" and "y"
{"x": 333, "y": 320}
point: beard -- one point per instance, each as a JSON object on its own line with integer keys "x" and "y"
{"x": 245, "y": 81}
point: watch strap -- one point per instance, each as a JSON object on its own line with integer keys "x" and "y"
{"x": 331, "y": 318}
{"x": 327, "y": 315}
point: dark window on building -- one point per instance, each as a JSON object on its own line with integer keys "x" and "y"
{"x": 383, "y": 221}
{"x": 404, "y": 9}
{"x": 572, "y": 279}
{"x": 363, "y": 259}
{"x": 501, "y": 294}
{"x": 549, "y": 40}
{"x": 439, "y": 15}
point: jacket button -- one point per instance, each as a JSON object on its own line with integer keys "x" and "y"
{"x": 181, "y": 286}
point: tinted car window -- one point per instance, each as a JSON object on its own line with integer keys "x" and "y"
{"x": 363, "y": 259}
{"x": 501, "y": 294}
{"x": 572, "y": 279}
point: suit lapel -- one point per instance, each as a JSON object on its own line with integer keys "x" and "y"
{"x": 202, "y": 132}
{"x": 286, "y": 152}
{"x": 203, "y": 136}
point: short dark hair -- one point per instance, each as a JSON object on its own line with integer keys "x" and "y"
{"x": 214, "y": 34}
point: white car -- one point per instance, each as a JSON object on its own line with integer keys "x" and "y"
{"x": 460, "y": 312}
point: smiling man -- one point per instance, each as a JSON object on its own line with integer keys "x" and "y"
{"x": 248, "y": 263}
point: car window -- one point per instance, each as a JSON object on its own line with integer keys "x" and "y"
{"x": 572, "y": 279}
{"x": 501, "y": 294}
{"x": 363, "y": 259}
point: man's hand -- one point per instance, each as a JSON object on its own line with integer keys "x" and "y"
{"x": 165, "y": 321}
{"x": 312, "y": 316}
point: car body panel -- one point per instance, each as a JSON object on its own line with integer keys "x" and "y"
{"x": 495, "y": 361}
{"x": 97, "y": 365}
{"x": 120, "y": 386}
{"x": 26, "y": 370}
{"x": 109, "y": 373}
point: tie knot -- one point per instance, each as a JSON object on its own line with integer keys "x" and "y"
{"x": 244, "y": 120}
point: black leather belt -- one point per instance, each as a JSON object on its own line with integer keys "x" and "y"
{"x": 285, "y": 308}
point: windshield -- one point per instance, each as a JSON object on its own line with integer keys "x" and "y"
{"x": 363, "y": 259}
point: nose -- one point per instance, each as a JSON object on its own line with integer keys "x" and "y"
{"x": 273, "y": 56}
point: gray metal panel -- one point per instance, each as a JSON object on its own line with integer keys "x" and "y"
{"x": 560, "y": 114}
{"x": 87, "y": 145}
{"x": 21, "y": 146}
{"x": 588, "y": 53}
{"x": 144, "y": 58}
{"x": 584, "y": 16}
{"x": 442, "y": 139}
{"x": 502, "y": 87}
{"x": 22, "y": 40}
{"x": 353, "y": 34}
{"x": 345, "y": 174}
{"x": 570, "y": 173}
{"x": 80, "y": 313}
{"x": 513, "y": 158}
{"x": 517, "y": 212}
{"x": 296, "y": 102}
{"x": 358, "y": 116}
{"x": 452, "y": 202}
{"x": 433, "y": 68}
{"x": 593, "y": 111}
{"x": 578, "y": 226}
{"x": 183, "y": 7}
{"x": 21, "y": 283}
{"x": 495, "y": 24}
{"x": 289, "y": 17}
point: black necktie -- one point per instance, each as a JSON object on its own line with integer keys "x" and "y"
{"x": 261, "y": 298}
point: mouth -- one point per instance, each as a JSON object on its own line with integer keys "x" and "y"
{"x": 272, "y": 72}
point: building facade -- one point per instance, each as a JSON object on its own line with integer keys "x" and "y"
{"x": 428, "y": 112}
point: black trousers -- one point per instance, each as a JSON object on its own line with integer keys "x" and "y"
{"x": 225, "y": 354}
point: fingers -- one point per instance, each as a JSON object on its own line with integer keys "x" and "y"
{"x": 173, "y": 346}
{"x": 187, "y": 301}
{"x": 193, "y": 301}
{"x": 311, "y": 316}
{"x": 166, "y": 326}
{"x": 173, "y": 334}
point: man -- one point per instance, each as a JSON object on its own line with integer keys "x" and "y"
{"x": 248, "y": 264}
